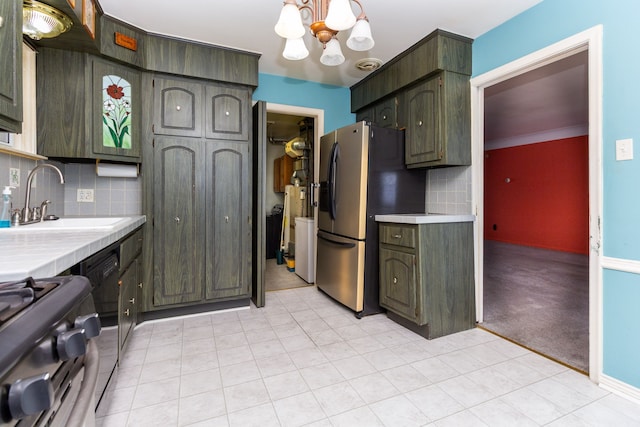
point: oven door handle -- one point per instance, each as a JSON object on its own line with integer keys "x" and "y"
{"x": 85, "y": 403}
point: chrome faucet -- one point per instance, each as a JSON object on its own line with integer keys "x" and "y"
{"x": 27, "y": 213}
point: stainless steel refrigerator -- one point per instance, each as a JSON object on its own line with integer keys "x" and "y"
{"x": 362, "y": 174}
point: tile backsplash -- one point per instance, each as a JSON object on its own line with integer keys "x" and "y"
{"x": 449, "y": 190}
{"x": 112, "y": 196}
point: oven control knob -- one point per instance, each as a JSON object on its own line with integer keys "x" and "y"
{"x": 90, "y": 323}
{"x": 30, "y": 396}
{"x": 71, "y": 344}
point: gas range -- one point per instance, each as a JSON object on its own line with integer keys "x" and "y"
{"x": 46, "y": 326}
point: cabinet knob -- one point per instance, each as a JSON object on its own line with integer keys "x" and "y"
{"x": 395, "y": 280}
{"x": 397, "y": 236}
{"x": 226, "y": 218}
{"x": 178, "y": 108}
{"x": 384, "y": 117}
{"x": 119, "y": 282}
{"x": 132, "y": 301}
{"x": 126, "y": 312}
{"x": 420, "y": 123}
{"x": 226, "y": 113}
{"x": 177, "y": 220}
{"x": 140, "y": 285}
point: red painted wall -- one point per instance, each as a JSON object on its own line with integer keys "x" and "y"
{"x": 546, "y": 202}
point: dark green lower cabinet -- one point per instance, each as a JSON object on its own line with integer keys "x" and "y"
{"x": 427, "y": 276}
{"x": 201, "y": 220}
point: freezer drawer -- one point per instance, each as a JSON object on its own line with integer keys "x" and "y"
{"x": 340, "y": 269}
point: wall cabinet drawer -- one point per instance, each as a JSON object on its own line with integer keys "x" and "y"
{"x": 398, "y": 235}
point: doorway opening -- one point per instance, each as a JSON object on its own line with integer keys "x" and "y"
{"x": 290, "y": 155}
{"x": 536, "y": 275}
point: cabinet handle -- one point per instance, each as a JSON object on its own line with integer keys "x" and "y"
{"x": 126, "y": 312}
{"x": 398, "y": 236}
{"x": 1, "y": 21}
{"x": 119, "y": 282}
{"x": 178, "y": 108}
{"x": 420, "y": 123}
{"x": 140, "y": 285}
{"x": 132, "y": 301}
{"x": 395, "y": 280}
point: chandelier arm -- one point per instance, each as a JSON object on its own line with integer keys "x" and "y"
{"x": 362, "y": 14}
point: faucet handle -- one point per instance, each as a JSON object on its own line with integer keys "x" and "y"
{"x": 43, "y": 209}
{"x": 35, "y": 213}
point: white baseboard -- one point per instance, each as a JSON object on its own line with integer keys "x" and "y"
{"x": 619, "y": 388}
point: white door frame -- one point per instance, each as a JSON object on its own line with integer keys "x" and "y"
{"x": 590, "y": 40}
{"x": 318, "y": 131}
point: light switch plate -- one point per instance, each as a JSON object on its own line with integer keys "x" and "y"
{"x": 624, "y": 149}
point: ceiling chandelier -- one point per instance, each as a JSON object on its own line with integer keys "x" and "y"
{"x": 43, "y": 21}
{"x": 328, "y": 17}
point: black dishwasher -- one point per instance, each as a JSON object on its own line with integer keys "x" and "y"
{"x": 102, "y": 271}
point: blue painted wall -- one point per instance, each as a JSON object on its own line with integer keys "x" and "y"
{"x": 547, "y": 23}
{"x": 334, "y": 100}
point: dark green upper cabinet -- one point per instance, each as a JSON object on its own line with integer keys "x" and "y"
{"x": 226, "y": 112}
{"x": 424, "y": 90}
{"x": 178, "y": 107}
{"x": 87, "y": 107}
{"x": 422, "y": 136}
{"x": 116, "y": 110}
{"x": 436, "y": 114}
{"x": 11, "y": 66}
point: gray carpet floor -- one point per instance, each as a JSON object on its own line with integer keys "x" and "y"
{"x": 540, "y": 299}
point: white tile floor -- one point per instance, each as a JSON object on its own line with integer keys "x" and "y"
{"x": 305, "y": 360}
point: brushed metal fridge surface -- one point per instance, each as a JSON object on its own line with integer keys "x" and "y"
{"x": 346, "y": 181}
{"x": 362, "y": 174}
{"x": 340, "y": 269}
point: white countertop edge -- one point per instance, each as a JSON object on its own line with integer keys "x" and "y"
{"x": 57, "y": 260}
{"x": 424, "y": 218}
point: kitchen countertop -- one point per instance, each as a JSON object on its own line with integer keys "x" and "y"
{"x": 431, "y": 218}
{"x": 47, "y": 253}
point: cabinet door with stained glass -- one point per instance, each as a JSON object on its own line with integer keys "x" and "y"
{"x": 116, "y": 111}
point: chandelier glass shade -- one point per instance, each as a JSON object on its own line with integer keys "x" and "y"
{"x": 328, "y": 17}
{"x": 43, "y": 21}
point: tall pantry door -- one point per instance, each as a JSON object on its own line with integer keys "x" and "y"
{"x": 179, "y": 220}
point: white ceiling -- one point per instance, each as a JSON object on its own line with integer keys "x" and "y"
{"x": 548, "y": 103}
{"x": 248, "y": 25}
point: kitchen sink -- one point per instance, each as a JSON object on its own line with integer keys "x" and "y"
{"x": 63, "y": 224}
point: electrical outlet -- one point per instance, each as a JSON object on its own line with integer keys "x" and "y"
{"x": 85, "y": 195}
{"x": 14, "y": 177}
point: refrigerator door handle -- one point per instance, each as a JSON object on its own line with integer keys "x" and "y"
{"x": 333, "y": 159}
{"x": 334, "y": 242}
